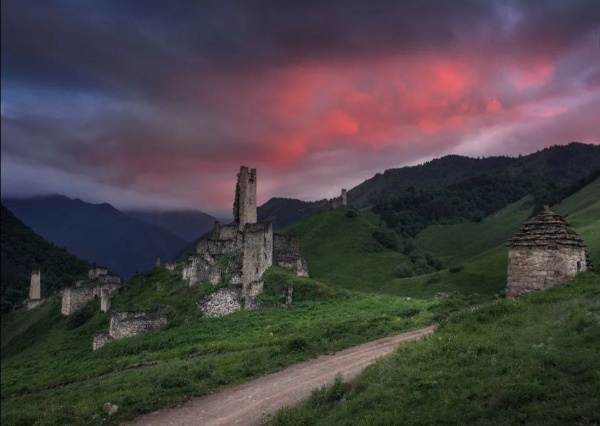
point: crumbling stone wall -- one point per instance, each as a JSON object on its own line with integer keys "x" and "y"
{"x": 225, "y": 232}
{"x": 544, "y": 253}
{"x": 132, "y": 323}
{"x": 104, "y": 300}
{"x": 257, "y": 253}
{"x": 128, "y": 324}
{"x": 244, "y": 206}
{"x": 74, "y": 298}
{"x": 286, "y": 253}
{"x": 97, "y": 272}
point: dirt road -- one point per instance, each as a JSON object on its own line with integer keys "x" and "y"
{"x": 255, "y": 402}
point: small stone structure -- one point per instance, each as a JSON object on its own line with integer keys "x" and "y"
{"x": 336, "y": 202}
{"x": 35, "y": 290}
{"x": 128, "y": 324}
{"x": 74, "y": 298}
{"x": 157, "y": 262}
{"x": 244, "y": 250}
{"x": 546, "y": 252}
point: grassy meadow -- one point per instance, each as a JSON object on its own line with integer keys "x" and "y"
{"x": 528, "y": 361}
{"x": 50, "y": 375}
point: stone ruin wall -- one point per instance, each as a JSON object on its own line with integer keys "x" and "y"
{"x": 132, "y": 323}
{"x": 128, "y": 324}
{"x": 539, "y": 268}
{"x": 286, "y": 253}
{"x": 245, "y": 198}
{"x": 225, "y": 232}
{"x": 74, "y": 298}
{"x": 257, "y": 252}
{"x": 336, "y": 202}
{"x": 97, "y": 272}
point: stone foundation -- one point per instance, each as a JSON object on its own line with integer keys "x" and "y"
{"x": 286, "y": 253}
{"x": 34, "y": 303}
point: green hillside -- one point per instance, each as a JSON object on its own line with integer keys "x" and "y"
{"x": 582, "y": 210}
{"x": 51, "y": 376}
{"x": 456, "y": 243}
{"x": 341, "y": 250}
{"x": 528, "y": 361}
{"x": 23, "y": 251}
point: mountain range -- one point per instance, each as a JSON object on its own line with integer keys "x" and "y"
{"x": 98, "y": 233}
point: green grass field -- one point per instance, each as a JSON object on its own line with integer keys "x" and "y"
{"x": 529, "y": 361}
{"x": 50, "y": 375}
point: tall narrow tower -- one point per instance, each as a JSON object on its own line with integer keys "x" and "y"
{"x": 35, "y": 292}
{"x": 244, "y": 205}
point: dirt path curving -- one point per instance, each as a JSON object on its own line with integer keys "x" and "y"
{"x": 257, "y": 401}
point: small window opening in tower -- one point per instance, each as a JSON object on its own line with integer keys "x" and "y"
{"x": 578, "y": 266}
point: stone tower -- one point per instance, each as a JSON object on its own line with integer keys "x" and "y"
{"x": 344, "y": 199}
{"x": 244, "y": 205}
{"x": 546, "y": 252}
{"x": 35, "y": 291}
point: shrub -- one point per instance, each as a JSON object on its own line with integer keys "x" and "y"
{"x": 386, "y": 237}
{"x": 404, "y": 272}
{"x": 456, "y": 268}
{"x": 351, "y": 214}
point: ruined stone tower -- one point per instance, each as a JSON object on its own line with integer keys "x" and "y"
{"x": 546, "y": 252}
{"x": 35, "y": 291}
{"x": 244, "y": 205}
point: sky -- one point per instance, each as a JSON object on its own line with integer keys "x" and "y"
{"x": 155, "y": 105}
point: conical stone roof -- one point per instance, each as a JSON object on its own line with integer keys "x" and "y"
{"x": 546, "y": 229}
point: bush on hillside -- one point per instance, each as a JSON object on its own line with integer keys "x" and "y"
{"x": 386, "y": 237}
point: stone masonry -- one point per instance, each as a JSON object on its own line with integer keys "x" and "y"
{"x": 286, "y": 253}
{"x": 128, "y": 324}
{"x": 244, "y": 207}
{"x": 244, "y": 250}
{"x": 35, "y": 290}
{"x": 74, "y": 298}
{"x": 546, "y": 252}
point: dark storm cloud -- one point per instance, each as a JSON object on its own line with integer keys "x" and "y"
{"x": 156, "y": 96}
{"x": 136, "y": 44}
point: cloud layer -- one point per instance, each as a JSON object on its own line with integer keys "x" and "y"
{"x": 158, "y": 103}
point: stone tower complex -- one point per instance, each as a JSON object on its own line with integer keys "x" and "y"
{"x": 242, "y": 251}
{"x": 546, "y": 252}
{"x": 244, "y": 206}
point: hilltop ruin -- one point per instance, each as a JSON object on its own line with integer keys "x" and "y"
{"x": 242, "y": 251}
{"x": 546, "y": 252}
